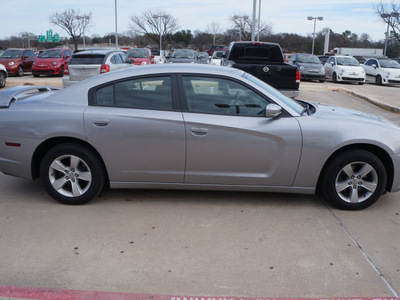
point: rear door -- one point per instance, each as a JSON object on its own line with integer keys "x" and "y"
{"x": 138, "y": 129}
{"x": 230, "y": 142}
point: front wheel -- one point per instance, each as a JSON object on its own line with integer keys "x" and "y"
{"x": 334, "y": 78}
{"x": 354, "y": 179}
{"x": 72, "y": 174}
{"x": 2, "y": 80}
{"x": 20, "y": 71}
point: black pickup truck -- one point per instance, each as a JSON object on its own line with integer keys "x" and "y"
{"x": 264, "y": 61}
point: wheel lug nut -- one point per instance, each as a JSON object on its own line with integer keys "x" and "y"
{"x": 360, "y": 182}
{"x": 349, "y": 183}
{"x": 354, "y": 186}
{"x": 66, "y": 178}
{"x": 76, "y": 175}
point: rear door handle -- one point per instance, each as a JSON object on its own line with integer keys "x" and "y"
{"x": 100, "y": 122}
{"x": 199, "y": 131}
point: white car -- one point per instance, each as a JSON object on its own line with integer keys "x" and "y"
{"x": 344, "y": 68}
{"x": 86, "y": 64}
{"x": 382, "y": 71}
{"x": 159, "y": 56}
{"x": 3, "y": 76}
{"x": 216, "y": 58}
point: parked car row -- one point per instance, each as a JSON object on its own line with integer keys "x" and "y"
{"x": 341, "y": 68}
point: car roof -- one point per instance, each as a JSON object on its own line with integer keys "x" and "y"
{"x": 105, "y": 52}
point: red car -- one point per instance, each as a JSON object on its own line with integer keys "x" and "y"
{"x": 216, "y": 48}
{"x": 17, "y": 61}
{"x": 140, "y": 56}
{"x": 51, "y": 62}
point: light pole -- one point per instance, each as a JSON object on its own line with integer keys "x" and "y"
{"x": 159, "y": 17}
{"x": 83, "y": 27}
{"x": 259, "y": 17}
{"x": 315, "y": 21}
{"x": 116, "y": 29}
{"x": 253, "y": 22}
{"x": 236, "y": 17}
{"x": 388, "y": 16}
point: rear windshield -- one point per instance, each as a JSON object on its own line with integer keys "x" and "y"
{"x": 137, "y": 53}
{"x": 260, "y": 52}
{"x": 87, "y": 59}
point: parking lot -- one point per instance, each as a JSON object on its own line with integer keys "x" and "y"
{"x": 206, "y": 244}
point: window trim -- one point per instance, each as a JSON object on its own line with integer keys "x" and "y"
{"x": 176, "y": 106}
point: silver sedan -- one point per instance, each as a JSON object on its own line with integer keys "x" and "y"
{"x": 193, "y": 127}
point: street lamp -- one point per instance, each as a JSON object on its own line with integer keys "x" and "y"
{"x": 83, "y": 27}
{"x": 116, "y": 29}
{"x": 159, "y": 17}
{"x": 315, "y": 21}
{"x": 236, "y": 17}
{"x": 388, "y": 16}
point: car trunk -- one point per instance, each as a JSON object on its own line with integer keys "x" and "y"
{"x": 84, "y": 66}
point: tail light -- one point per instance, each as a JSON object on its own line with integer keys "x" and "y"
{"x": 66, "y": 70}
{"x": 104, "y": 69}
{"x": 297, "y": 76}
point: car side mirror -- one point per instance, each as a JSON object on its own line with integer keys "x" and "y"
{"x": 294, "y": 62}
{"x": 152, "y": 56}
{"x": 272, "y": 110}
{"x": 332, "y": 63}
{"x": 67, "y": 57}
{"x": 374, "y": 66}
{"x": 26, "y": 56}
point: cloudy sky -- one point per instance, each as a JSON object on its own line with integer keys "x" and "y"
{"x": 290, "y": 16}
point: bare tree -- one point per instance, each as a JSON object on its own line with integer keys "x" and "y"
{"x": 243, "y": 24}
{"x": 390, "y": 15}
{"x": 214, "y": 29}
{"x": 153, "y": 24}
{"x": 73, "y": 22}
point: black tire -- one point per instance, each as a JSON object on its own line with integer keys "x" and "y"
{"x": 35, "y": 75}
{"x": 322, "y": 80}
{"x": 61, "y": 72}
{"x": 354, "y": 179}
{"x": 378, "y": 80}
{"x": 72, "y": 174}
{"x": 20, "y": 71}
{"x": 361, "y": 83}
{"x": 334, "y": 78}
{"x": 2, "y": 79}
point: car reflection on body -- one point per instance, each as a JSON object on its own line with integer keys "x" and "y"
{"x": 184, "y": 126}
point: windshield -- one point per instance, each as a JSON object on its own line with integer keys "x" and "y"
{"x": 218, "y": 54}
{"x": 155, "y": 52}
{"x": 10, "y": 54}
{"x": 183, "y": 54}
{"x": 309, "y": 59}
{"x": 137, "y": 53}
{"x": 51, "y": 54}
{"x": 389, "y": 63}
{"x": 293, "y": 104}
{"x": 203, "y": 55}
{"x": 347, "y": 61}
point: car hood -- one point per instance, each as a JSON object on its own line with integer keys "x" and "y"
{"x": 47, "y": 60}
{"x": 310, "y": 65}
{"x": 350, "y": 68}
{"x": 392, "y": 71}
{"x": 6, "y": 61}
{"x": 340, "y": 114}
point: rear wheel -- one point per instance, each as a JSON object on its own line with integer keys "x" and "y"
{"x": 72, "y": 174}
{"x": 61, "y": 72}
{"x": 354, "y": 179}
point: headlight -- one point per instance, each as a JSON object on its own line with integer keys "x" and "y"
{"x": 302, "y": 68}
{"x": 11, "y": 63}
{"x": 54, "y": 63}
{"x": 144, "y": 63}
{"x": 322, "y": 69}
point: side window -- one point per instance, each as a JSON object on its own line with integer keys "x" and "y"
{"x": 145, "y": 93}
{"x": 368, "y": 63}
{"x": 116, "y": 59}
{"x": 105, "y": 95}
{"x": 331, "y": 60}
{"x": 124, "y": 58}
{"x": 222, "y": 96}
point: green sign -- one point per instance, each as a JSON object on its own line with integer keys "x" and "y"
{"x": 49, "y": 35}
{"x": 42, "y": 38}
{"x": 56, "y": 38}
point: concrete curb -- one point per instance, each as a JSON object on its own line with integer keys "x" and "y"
{"x": 375, "y": 102}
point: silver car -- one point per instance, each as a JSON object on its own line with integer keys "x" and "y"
{"x": 184, "y": 126}
{"x": 86, "y": 64}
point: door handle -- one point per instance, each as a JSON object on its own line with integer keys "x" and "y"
{"x": 199, "y": 131}
{"x": 100, "y": 122}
